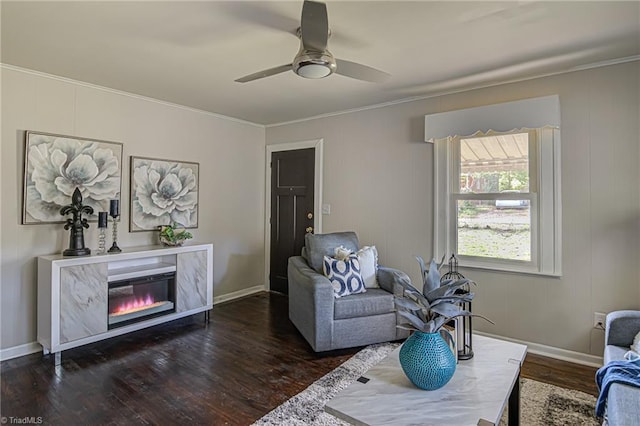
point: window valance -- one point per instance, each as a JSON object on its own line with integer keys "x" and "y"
{"x": 527, "y": 113}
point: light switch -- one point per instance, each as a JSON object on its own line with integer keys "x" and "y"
{"x": 326, "y": 209}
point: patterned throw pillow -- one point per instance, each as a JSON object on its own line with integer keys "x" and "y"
{"x": 344, "y": 275}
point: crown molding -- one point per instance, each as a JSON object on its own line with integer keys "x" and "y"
{"x": 585, "y": 67}
{"x": 127, "y": 94}
{"x": 593, "y": 65}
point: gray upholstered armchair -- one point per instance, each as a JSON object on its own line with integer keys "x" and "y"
{"x": 329, "y": 323}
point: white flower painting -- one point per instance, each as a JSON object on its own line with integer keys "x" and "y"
{"x": 56, "y": 165}
{"x": 163, "y": 192}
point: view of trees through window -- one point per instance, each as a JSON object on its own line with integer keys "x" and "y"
{"x": 497, "y": 227}
{"x": 485, "y": 182}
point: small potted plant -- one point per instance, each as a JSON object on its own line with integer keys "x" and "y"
{"x": 425, "y": 357}
{"x": 173, "y": 236}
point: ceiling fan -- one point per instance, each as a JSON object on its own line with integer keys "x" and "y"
{"x": 314, "y": 59}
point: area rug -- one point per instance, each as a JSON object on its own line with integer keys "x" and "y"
{"x": 541, "y": 404}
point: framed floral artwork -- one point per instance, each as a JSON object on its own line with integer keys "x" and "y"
{"x": 55, "y": 165}
{"x": 163, "y": 192}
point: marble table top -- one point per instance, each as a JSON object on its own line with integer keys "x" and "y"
{"x": 479, "y": 390}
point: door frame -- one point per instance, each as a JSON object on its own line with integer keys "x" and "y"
{"x": 317, "y": 194}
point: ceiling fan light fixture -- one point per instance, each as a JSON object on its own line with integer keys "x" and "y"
{"x": 311, "y": 70}
{"x": 314, "y": 65}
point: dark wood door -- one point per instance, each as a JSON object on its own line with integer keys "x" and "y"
{"x": 292, "y": 178}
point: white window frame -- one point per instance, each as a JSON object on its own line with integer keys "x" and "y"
{"x": 544, "y": 196}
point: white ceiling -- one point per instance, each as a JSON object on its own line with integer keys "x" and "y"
{"x": 189, "y": 53}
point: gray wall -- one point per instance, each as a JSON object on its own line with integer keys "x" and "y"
{"x": 378, "y": 180}
{"x": 231, "y": 157}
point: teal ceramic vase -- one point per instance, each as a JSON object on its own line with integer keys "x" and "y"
{"x": 427, "y": 360}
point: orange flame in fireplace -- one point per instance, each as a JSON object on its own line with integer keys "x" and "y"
{"x": 134, "y": 304}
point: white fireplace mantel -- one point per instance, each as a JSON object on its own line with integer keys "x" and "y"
{"x": 72, "y": 291}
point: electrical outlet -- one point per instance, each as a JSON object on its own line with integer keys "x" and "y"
{"x": 598, "y": 320}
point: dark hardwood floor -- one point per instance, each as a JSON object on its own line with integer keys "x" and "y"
{"x": 248, "y": 360}
{"x": 560, "y": 373}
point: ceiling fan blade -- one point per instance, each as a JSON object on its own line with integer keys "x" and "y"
{"x": 360, "y": 72}
{"x": 264, "y": 73}
{"x": 314, "y": 26}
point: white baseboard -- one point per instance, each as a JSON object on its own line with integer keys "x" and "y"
{"x": 534, "y": 348}
{"x": 553, "y": 352}
{"x": 238, "y": 294}
{"x": 20, "y": 350}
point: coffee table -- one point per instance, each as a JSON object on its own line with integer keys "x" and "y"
{"x": 476, "y": 395}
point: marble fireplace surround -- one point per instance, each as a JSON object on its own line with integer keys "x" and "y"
{"x": 73, "y": 291}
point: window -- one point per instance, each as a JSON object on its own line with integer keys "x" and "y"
{"x": 497, "y": 199}
{"x": 492, "y": 197}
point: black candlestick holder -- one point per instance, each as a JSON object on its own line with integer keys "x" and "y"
{"x": 114, "y": 212}
{"x": 102, "y": 233}
{"x": 114, "y": 236}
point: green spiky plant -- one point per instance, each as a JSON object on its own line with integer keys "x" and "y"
{"x": 438, "y": 302}
{"x": 173, "y": 235}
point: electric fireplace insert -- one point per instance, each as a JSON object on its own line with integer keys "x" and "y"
{"x": 141, "y": 298}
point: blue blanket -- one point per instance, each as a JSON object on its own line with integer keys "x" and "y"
{"x": 625, "y": 372}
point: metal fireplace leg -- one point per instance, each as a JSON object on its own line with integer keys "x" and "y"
{"x": 57, "y": 358}
{"x": 207, "y": 316}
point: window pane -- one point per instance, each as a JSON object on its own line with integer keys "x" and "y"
{"x": 498, "y": 228}
{"x": 494, "y": 164}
